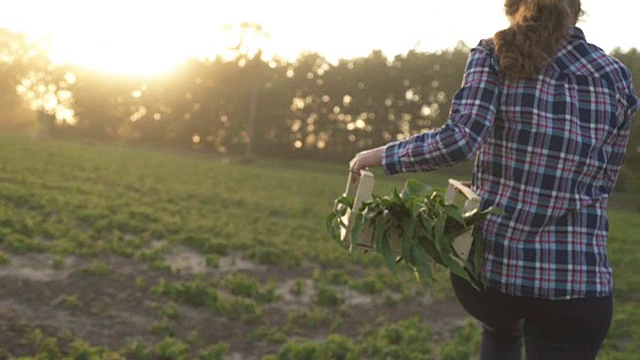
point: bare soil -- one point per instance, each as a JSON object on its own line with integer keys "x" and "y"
{"x": 113, "y": 307}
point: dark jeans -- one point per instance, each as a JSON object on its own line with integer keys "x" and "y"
{"x": 552, "y": 329}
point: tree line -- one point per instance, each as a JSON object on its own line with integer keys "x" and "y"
{"x": 246, "y": 105}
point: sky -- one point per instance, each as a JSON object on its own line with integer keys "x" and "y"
{"x": 140, "y": 36}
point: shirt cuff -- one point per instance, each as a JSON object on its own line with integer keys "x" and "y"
{"x": 391, "y": 162}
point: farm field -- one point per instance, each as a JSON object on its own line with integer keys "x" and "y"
{"x": 109, "y": 252}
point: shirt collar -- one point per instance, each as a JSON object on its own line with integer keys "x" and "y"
{"x": 576, "y": 33}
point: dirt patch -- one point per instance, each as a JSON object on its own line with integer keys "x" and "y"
{"x": 232, "y": 263}
{"x": 37, "y": 267}
{"x": 115, "y": 305}
{"x": 296, "y": 293}
{"x": 186, "y": 261}
{"x": 104, "y": 309}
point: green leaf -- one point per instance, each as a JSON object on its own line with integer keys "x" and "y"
{"x": 331, "y": 228}
{"x": 425, "y": 235}
{"x": 379, "y": 232}
{"x": 496, "y": 211}
{"x": 423, "y": 268}
{"x": 396, "y": 196}
{"x": 429, "y": 246}
{"x": 413, "y": 188}
{"x": 334, "y": 223}
{"x": 427, "y": 223}
{"x": 345, "y": 201}
{"x": 442, "y": 243}
{"x": 371, "y": 212}
{"x": 455, "y": 268}
{"x": 408, "y": 240}
{"x": 387, "y": 202}
{"x": 478, "y": 254}
{"x": 475, "y": 216}
{"x": 389, "y": 257}
{"x": 418, "y": 208}
{"x": 454, "y": 213}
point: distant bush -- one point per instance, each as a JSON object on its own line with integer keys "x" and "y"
{"x": 195, "y": 292}
{"x": 239, "y": 309}
{"x": 267, "y": 255}
{"x": 329, "y": 296}
{"x": 335, "y": 347}
{"x": 244, "y": 286}
{"x": 171, "y": 349}
{"x": 214, "y": 352}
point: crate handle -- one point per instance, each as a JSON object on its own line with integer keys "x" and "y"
{"x": 457, "y": 187}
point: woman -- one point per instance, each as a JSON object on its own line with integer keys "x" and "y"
{"x": 547, "y": 116}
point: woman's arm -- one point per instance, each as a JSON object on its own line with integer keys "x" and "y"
{"x": 472, "y": 113}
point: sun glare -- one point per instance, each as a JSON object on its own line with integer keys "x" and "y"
{"x": 128, "y": 58}
{"x": 127, "y": 37}
{"x": 151, "y": 37}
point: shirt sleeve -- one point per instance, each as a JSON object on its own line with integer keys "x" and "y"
{"x": 633, "y": 101}
{"x": 618, "y": 153}
{"x": 620, "y": 142}
{"x": 472, "y": 112}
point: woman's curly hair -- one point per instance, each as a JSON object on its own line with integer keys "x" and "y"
{"x": 538, "y": 28}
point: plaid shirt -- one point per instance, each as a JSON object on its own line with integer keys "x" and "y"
{"x": 548, "y": 152}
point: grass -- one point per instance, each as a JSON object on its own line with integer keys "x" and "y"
{"x": 111, "y": 216}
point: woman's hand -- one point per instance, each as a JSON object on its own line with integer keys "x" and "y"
{"x": 366, "y": 159}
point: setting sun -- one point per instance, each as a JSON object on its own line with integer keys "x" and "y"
{"x": 126, "y": 37}
{"x": 138, "y": 38}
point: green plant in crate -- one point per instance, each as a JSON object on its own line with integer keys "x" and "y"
{"x": 426, "y": 225}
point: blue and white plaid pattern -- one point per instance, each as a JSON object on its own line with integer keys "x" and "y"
{"x": 548, "y": 152}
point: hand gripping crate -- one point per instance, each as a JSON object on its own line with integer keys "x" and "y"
{"x": 361, "y": 189}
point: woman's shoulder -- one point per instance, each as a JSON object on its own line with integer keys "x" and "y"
{"x": 591, "y": 59}
{"x": 485, "y": 52}
{"x": 487, "y": 44}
